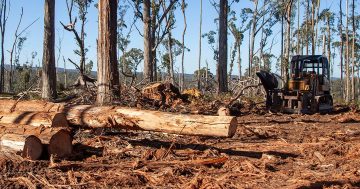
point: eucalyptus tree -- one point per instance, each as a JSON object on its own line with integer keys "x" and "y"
{"x": 155, "y": 30}
{"x": 48, "y": 68}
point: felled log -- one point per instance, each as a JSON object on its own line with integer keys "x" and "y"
{"x": 51, "y": 119}
{"x": 135, "y": 119}
{"x": 54, "y": 141}
{"x": 28, "y": 106}
{"x": 29, "y": 146}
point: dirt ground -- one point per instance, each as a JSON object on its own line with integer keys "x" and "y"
{"x": 268, "y": 151}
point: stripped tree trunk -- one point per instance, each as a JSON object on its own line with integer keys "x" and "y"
{"x": 49, "y": 68}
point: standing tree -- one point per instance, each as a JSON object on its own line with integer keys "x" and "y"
{"x": 340, "y": 26}
{"x": 222, "y": 64}
{"x": 107, "y": 73}
{"x": 49, "y": 68}
{"x": 347, "y": 61}
{"x": 148, "y": 68}
{"x": 353, "y": 52}
{"x": 4, "y": 15}
{"x": 154, "y": 31}
{"x": 200, "y": 42}
{"x": 182, "y": 80}
{"x": 288, "y": 35}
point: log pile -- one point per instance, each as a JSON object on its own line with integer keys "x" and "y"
{"x": 34, "y": 142}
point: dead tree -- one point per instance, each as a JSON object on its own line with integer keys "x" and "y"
{"x": 17, "y": 35}
{"x": 49, "y": 68}
{"x": 79, "y": 37}
{"x": 108, "y": 73}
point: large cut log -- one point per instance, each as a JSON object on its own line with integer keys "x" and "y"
{"x": 135, "y": 119}
{"x": 29, "y": 146}
{"x": 58, "y": 141}
{"x": 30, "y": 106}
{"x": 50, "y": 119}
{"x": 98, "y": 117}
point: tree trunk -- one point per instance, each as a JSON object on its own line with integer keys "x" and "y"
{"x": 49, "y": 68}
{"x": 347, "y": 61}
{"x": 108, "y": 73}
{"x": 288, "y": 35}
{"x": 134, "y": 119}
{"x": 313, "y": 40}
{"x": 329, "y": 45}
{"x": 57, "y": 141}
{"x": 307, "y": 26}
{"x": 341, "y": 53}
{"x": 147, "y": 42}
{"x": 239, "y": 58}
{"x": 222, "y": 65}
{"x": 3, "y": 21}
{"x": 171, "y": 59}
{"x": 97, "y": 117}
{"x": 182, "y": 80}
{"x": 35, "y": 119}
{"x": 282, "y": 72}
{"x": 353, "y": 91}
{"x": 200, "y": 46}
{"x": 252, "y": 37}
{"x": 298, "y": 28}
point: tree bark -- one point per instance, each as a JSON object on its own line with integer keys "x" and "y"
{"x": 222, "y": 65}
{"x": 50, "y": 119}
{"x": 148, "y": 75}
{"x": 108, "y": 73}
{"x": 49, "y": 68}
{"x": 134, "y": 119}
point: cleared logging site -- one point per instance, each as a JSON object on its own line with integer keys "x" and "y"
{"x": 61, "y": 145}
{"x": 188, "y": 94}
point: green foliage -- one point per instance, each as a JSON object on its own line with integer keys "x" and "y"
{"x": 131, "y": 60}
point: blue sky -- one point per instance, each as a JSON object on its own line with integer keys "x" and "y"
{"x": 33, "y": 9}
